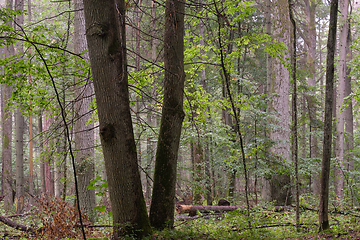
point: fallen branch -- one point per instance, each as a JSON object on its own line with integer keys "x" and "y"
{"x": 191, "y": 208}
{"x": 273, "y": 225}
{"x": 94, "y": 226}
{"x": 16, "y": 225}
{"x": 18, "y": 215}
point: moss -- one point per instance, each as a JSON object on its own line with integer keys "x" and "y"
{"x": 6, "y": 141}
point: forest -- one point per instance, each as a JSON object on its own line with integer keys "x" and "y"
{"x": 174, "y": 119}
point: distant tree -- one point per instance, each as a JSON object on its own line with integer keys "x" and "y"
{"x": 84, "y": 131}
{"x": 6, "y": 114}
{"x": 19, "y": 122}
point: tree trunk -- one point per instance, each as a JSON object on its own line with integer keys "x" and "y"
{"x": 310, "y": 9}
{"x": 329, "y": 96}
{"x": 48, "y": 173}
{"x": 41, "y": 149}
{"x": 7, "y": 176}
{"x": 31, "y": 150}
{"x": 162, "y": 204}
{"x": 349, "y": 121}
{"x": 294, "y": 128}
{"x": 19, "y": 145}
{"x": 105, "y": 24}
{"x": 151, "y": 116}
{"x": 19, "y": 127}
{"x": 340, "y": 113}
{"x": 84, "y": 131}
{"x": 279, "y": 107}
{"x": 265, "y": 191}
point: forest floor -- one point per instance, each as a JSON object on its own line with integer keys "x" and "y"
{"x": 264, "y": 222}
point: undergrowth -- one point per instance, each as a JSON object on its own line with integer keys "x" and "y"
{"x": 56, "y": 219}
{"x": 265, "y": 223}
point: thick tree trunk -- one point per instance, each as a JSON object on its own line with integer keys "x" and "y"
{"x": 105, "y": 32}
{"x": 329, "y": 96}
{"x": 162, "y": 204}
{"x": 84, "y": 132}
{"x": 279, "y": 106}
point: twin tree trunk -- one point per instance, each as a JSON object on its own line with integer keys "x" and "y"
{"x": 105, "y": 24}
{"x": 162, "y": 204}
{"x": 105, "y": 32}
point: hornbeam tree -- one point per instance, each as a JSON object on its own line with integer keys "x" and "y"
{"x": 162, "y": 203}
{"x": 105, "y": 33}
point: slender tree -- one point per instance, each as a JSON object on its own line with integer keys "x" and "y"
{"x": 84, "y": 131}
{"x": 329, "y": 97}
{"x": 19, "y": 125}
{"x": 294, "y": 130}
{"x": 6, "y": 114}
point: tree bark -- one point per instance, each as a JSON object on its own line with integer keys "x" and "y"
{"x": 41, "y": 149}
{"x": 348, "y": 109}
{"x": 105, "y": 33}
{"x": 329, "y": 96}
{"x": 19, "y": 129}
{"x": 310, "y": 9}
{"x": 19, "y": 145}
{"x": 340, "y": 113}
{"x": 7, "y": 175}
{"x": 162, "y": 204}
{"x": 47, "y": 156}
{"x": 279, "y": 107}
{"x": 294, "y": 113}
{"x": 84, "y": 131}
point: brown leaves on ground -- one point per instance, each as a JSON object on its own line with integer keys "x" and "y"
{"x": 59, "y": 219}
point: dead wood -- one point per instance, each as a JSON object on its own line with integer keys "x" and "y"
{"x": 16, "y": 225}
{"x": 18, "y": 215}
{"x": 191, "y": 208}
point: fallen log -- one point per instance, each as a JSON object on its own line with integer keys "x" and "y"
{"x": 193, "y": 208}
{"x": 16, "y": 225}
